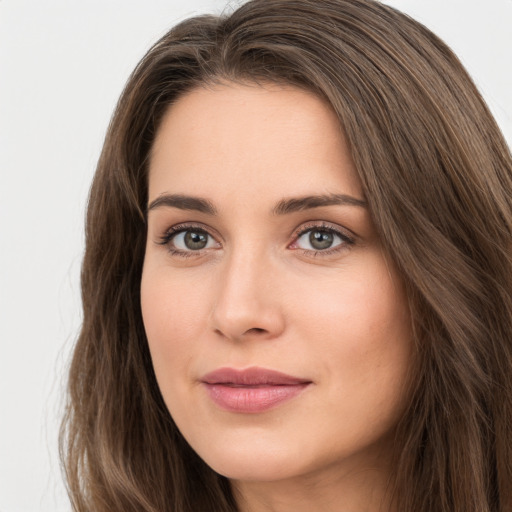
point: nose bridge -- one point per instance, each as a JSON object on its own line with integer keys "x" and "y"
{"x": 245, "y": 302}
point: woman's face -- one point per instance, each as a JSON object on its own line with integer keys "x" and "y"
{"x": 278, "y": 330}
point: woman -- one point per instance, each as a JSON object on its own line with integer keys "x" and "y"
{"x": 297, "y": 283}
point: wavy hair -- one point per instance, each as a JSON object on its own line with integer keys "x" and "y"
{"x": 437, "y": 175}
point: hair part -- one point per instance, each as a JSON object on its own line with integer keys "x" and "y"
{"x": 437, "y": 175}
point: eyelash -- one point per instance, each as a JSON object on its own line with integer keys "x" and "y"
{"x": 346, "y": 240}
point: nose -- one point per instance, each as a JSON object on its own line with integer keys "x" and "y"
{"x": 247, "y": 301}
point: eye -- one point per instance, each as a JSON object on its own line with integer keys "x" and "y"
{"x": 321, "y": 238}
{"x": 183, "y": 240}
{"x": 318, "y": 240}
{"x": 192, "y": 240}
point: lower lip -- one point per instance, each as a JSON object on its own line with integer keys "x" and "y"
{"x": 252, "y": 399}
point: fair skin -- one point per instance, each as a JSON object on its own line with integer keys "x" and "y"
{"x": 248, "y": 279}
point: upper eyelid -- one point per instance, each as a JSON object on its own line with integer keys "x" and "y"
{"x": 185, "y": 226}
{"x": 304, "y": 227}
{"x": 336, "y": 228}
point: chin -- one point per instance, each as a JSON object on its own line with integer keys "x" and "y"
{"x": 252, "y": 460}
{"x": 254, "y": 469}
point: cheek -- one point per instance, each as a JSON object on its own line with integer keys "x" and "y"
{"x": 361, "y": 333}
{"x": 174, "y": 312}
{"x": 360, "y": 311}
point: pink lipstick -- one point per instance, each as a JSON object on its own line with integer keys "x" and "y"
{"x": 252, "y": 390}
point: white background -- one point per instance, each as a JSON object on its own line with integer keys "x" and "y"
{"x": 62, "y": 67}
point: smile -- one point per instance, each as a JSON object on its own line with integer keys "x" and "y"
{"x": 253, "y": 390}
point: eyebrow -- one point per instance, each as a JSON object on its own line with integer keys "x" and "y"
{"x": 283, "y": 207}
{"x": 298, "y": 204}
{"x": 183, "y": 203}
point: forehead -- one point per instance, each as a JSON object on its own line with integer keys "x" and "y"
{"x": 251, "y": 140}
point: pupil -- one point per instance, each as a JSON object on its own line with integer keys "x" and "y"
{"x": 195, "y": 241}
{"x": 321, "y": 239}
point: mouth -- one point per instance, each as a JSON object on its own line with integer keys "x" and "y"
{"x": 252, "y": 390}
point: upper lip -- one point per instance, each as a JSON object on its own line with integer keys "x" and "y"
{"x": 253, "y": 376}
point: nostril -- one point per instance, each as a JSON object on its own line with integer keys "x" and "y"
{"x": 255, "y": 330}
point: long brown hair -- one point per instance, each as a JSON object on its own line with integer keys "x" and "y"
{"x": 437, "y": 175}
